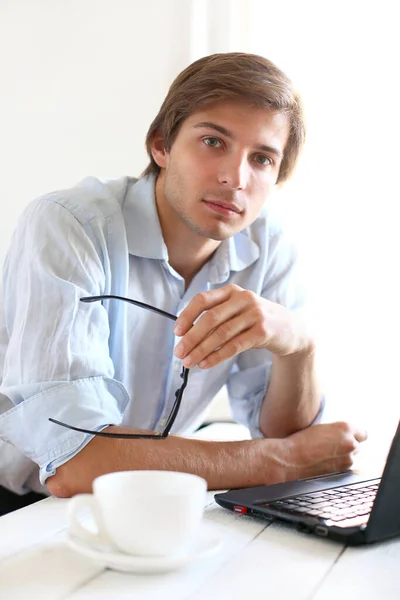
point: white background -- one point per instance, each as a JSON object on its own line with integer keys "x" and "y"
{"x": 81, "y": 81}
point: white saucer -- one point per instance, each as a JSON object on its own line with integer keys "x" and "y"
{"x": 206, "y": 544}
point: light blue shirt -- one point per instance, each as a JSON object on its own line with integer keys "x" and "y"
{"x": 96, "y": 364}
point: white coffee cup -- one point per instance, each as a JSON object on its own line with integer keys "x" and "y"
{"x": 146, "y": 513}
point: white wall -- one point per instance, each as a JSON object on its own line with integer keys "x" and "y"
{"x": 80, "y": 82}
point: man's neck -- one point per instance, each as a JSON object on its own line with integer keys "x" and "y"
{"x": 188, "y": 265}
{"x": 187, "y": 251}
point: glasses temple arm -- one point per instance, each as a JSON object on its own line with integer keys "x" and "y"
{"x": 135, "y": 302}
{"x": 109, "y": 434}
{"x": 175, "y": 408}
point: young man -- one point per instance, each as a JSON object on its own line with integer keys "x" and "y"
{"x": 193, "y": 237}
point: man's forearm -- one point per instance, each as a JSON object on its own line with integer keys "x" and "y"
{"x": 222, "y": 464}
{"x": 293, "y": 398}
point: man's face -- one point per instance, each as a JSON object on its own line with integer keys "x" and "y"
{"x": 221, "y": 167}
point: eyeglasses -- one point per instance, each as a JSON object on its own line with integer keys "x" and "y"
{"x": 178, "y": 394}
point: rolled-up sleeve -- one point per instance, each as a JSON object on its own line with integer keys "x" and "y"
{"x": 247, "y": 386}
{"x": 56, "y": 358}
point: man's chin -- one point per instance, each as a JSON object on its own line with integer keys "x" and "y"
{"x": 218, "y": 234}
{"x": 216, "y": 230}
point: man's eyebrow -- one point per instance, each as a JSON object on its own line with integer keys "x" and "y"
{"x": 219, "y": 128}
{"x": 229, "y": 134}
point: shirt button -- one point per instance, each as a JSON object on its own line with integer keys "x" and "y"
{"x": 176, "y": 366}
{"x": 163, "y": 421}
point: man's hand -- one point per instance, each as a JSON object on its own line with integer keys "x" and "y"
{"x": 235, "y": 320}
{"x": 325, "y": 448}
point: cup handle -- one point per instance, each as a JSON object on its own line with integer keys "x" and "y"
{"x": 77, "y": 529}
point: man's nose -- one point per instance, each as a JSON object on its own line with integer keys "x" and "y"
{"x": 234, "y": 172}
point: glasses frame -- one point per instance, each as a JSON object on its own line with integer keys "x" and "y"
{"x": 178, "y": 394}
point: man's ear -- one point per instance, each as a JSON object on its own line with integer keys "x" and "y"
{"x": 158, "y": 151}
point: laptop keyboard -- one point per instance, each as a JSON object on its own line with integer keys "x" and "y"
{"x": 347, "y": 503}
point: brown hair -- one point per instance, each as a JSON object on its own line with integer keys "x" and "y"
{"x": 235, "y": 75}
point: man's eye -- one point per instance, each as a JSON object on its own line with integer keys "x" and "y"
{"x": 212, "y": 142}
{"x": 263, "y": 160}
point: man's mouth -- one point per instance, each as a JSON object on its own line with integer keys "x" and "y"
{"x": 222, "y": 207}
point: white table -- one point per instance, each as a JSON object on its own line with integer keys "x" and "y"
{"x": 257, "y": 560}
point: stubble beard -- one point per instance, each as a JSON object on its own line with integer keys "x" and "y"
{"x": 174, "y": 195}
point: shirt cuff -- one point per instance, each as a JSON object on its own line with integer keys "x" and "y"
{"x": 320, "y": 413}
{"x": 246, "y": 411}
{"x": 252, "y": 418}
{"x": 91, "y": 403}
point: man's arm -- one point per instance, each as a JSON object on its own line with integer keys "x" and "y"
{"x": 320, "y": 449}
{"x": 294, "y": 395}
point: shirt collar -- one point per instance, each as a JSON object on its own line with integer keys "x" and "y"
{"x": 234, "y": 254}
{"x": 142, "y": 224}
{"x": 145, "y": 237}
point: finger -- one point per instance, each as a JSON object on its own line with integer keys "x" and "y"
{"x": 349, "y": 431}
{"x": 226, "y": 333}
{"x": 361, "y": 434}
{"x": 236, "y": 345}
{"x": 210, "y": 321}
{"x": 200, "y": 303}
{"x": 356, "y": 450}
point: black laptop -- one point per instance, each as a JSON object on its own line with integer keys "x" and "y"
{"x": 348, "y": 507}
